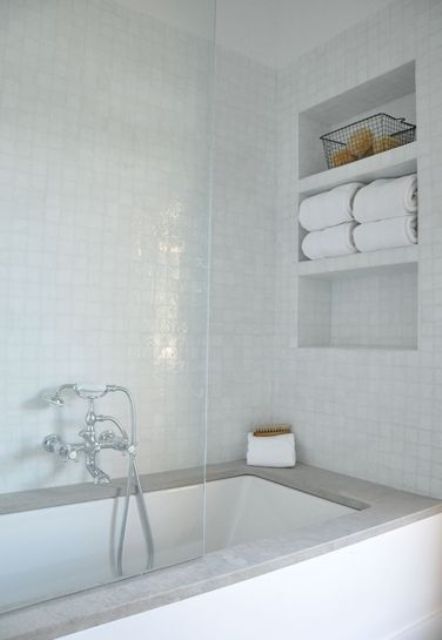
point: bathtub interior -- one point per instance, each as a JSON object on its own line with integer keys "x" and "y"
{"x": 55, "y": 551}
{"x": 247, "y": 508}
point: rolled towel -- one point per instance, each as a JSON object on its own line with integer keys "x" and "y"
{"x": 329, "y": 208}
{"x": 386, "y": 198}
{"x": 386, "y": 234}
{"x": 273, "y": 451}
{"x": 328, "y": 243}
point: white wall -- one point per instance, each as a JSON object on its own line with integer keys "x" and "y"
{"x": 98, "y": 162}
{"x": 104, "y": 200}
{"x": 370, "y": 413}
{"x": 110, "y": 150}
{"x": 372, "y": 590}
{"x": 307, "y": 24}
{"x": 196, "y": 17}
{"x": 250, "y": 27}
{"x": 272, "y": 32}
{"x": 243, "y": 244}
{"x": 277, "y": 32}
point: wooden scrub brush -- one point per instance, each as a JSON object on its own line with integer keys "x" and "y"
{"x": 267, "y": 430}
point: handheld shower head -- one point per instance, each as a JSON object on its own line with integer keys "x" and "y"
{"x": 55, "y": 398}
{"x": 85, "y": 391}
{"x": 91, "y": 391}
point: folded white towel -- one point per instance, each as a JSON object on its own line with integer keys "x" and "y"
{"x": 271, "y": 451}
{"x": 386, "y": 234}
{"x": 386, "y": 198}
{"x": 329, "y": 208}
{"x": 328, "y": 243}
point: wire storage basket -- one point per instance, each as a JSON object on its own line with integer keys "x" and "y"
{"x": 366, "y": 137}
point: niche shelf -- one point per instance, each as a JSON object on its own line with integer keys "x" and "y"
{"x": 359, "y": 262}
{"x": 365, "y": 308}
{"x": 365, "y": 300}
{"x": 389, "y": 164}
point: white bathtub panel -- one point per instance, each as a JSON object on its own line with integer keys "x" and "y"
{"x": 372, "y": 590}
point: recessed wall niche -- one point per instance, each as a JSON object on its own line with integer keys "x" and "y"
{"x": 368, "y": 308}
{"x": 393, "y": 93}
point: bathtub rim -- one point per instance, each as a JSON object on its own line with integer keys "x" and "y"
{"x": 65, "y": 495}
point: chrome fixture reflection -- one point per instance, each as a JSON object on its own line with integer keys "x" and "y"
{"x": 92, "y": 442}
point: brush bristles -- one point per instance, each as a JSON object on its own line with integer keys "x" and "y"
{"x": 272, "y": 430}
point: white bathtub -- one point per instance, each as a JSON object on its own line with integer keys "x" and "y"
{"x": 53, "y": 551}
{"x": 248, "y": 508}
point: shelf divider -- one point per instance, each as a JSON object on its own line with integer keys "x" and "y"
{"x": 359, "y": 262}
{"x": 389, "y": 164}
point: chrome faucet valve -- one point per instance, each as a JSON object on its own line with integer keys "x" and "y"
{"x": 51, "y": 442}
{"x": 92, "y": 442}
{"x": 54, "y": 444}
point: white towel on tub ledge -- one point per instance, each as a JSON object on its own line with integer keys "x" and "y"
{"x": 330, "y": 243}
{"x": 271, "y": 451}
{"x": 386, "y": 234}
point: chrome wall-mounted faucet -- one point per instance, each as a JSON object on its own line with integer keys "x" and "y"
{"x": 92, "y": 442}
{"x": 90, "y": 445}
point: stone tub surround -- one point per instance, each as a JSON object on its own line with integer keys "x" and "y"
{"x": 380, "y": 509}
{"x": 86, "y": 491}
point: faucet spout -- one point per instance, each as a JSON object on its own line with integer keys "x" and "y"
{"x": 98, "y": 475}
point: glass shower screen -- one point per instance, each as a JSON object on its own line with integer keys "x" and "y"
{"x": 105, "y": 115}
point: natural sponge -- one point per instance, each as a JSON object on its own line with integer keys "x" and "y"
{"x": 341, "y": 157}
{"x": 384, "y": 143}
{"x": 360, "y": 142}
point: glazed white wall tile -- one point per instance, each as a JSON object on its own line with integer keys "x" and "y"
{"x": 104, "y": 167}
{"x": 104, "y": 130}
{"x": 370, "y": 413}
{"x": 375, "y": 311}
{"x": 243, "y": 244}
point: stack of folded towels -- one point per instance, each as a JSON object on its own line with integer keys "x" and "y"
{"x": 387, "y": 212}
{"x": 354, "y": 217}
{"x": 328, "y": 218}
